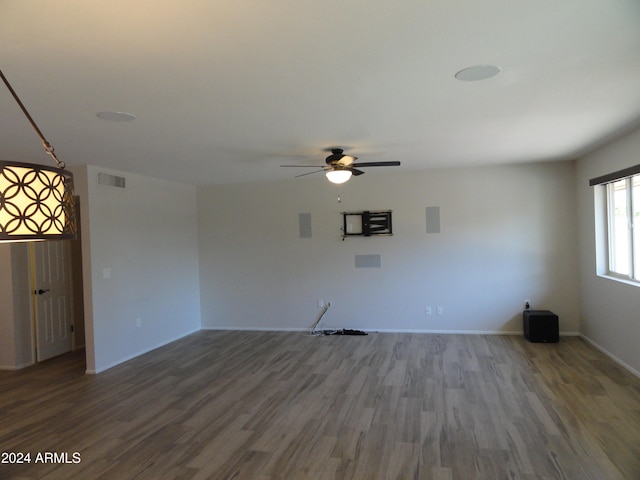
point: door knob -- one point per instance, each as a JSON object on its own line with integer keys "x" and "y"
{"x": 41, "y": 291}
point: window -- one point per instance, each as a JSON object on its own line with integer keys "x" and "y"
{"x": 617, "y": 197}
{"x": 623, "y": 221}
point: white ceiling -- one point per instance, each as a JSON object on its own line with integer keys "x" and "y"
{"x": 226, "y": 91}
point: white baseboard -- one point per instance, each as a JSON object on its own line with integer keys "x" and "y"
{"x": 624, "y": 365}
{"x": 16, "y": 367}
{"x": 368, "y": 330}
{"x": 137, "y": 354}
{"x": 467, "y": 332}
{"x": 444, "y": 332}
{"x": 383, "y": 330}
{"x": 257, "y": 329}
{"x": 298, "y": 329}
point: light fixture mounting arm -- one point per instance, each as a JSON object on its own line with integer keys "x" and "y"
{"x": 48, "y": 148}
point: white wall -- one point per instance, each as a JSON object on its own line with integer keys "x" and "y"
{"x": 146, "y": 236}
{"x": 610, "y": 310}
{"x": 507, "y": 233}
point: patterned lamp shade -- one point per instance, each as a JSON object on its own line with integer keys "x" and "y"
{"x": 36, "y": 203}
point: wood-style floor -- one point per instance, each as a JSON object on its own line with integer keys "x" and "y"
{"x": 282, "y": 405}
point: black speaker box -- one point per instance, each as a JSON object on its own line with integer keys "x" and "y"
{"x": 540, "y": 326}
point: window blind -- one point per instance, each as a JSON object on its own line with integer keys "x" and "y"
{"x": 612, "y": 177}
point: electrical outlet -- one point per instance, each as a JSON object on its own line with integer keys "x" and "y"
{"x": 427, "y": 311}
{"x": 440, "y": 310}
{"x": 320, "y": 303}
{"x": 527, "y": 304}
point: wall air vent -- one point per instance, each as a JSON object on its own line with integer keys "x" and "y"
{"x": 111, "y": 180}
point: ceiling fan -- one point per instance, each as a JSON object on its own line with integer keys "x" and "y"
{"x": 340, "y": 167}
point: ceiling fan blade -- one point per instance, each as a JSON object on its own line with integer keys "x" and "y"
{"x": 309, "y": 173}
{"x": 376, "y": 164}
{"x": 356, "y": 172}
{"x": 304, "y": 166}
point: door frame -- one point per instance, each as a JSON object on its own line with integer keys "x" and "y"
{"x": 75, "y": 286}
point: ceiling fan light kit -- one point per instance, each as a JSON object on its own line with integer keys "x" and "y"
{"x": 338, "y": 176}
{"x": 36, "y": 201}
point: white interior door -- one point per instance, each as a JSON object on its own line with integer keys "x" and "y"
{"x": 52, "y": 291}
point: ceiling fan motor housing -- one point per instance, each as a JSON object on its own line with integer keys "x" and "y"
{"x": 336, "y": 155}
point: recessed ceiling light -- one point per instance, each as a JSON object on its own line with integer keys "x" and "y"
{"x": 477, "y": 73}
{"x": 116, "y": 116}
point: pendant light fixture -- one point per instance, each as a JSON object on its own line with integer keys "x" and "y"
{"x": 36, "y": 201}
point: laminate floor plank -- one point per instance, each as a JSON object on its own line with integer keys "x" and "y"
{"x": 290, "y": 406}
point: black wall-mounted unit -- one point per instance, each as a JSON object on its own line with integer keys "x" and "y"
{"x": 366, "y": 224}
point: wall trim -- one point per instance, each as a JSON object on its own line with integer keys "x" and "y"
{"x": 16, "y": 367}
{"x": 446, "y": 332}
{"x": 298, "y": 329}
{"x": 624, "y": 365}
{"x": 385, "y": 330}
{"x": 257, "y": 329}
{"x": 138, "y": 354}
{"x": 466, "y": 332}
